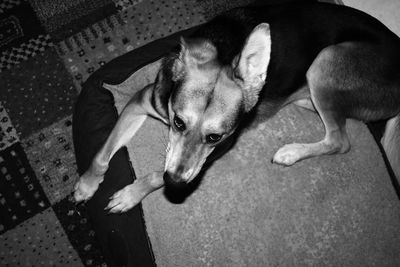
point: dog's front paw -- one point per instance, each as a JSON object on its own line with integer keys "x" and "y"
{"x": 288, "y": 154}
{"x": 86, "y": 187}
{"x": 125, "y": 199}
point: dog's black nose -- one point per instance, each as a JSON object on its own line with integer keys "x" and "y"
{"x": 172, "y": 181}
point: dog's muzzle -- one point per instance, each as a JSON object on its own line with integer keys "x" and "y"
{"x": 171, "y": 180}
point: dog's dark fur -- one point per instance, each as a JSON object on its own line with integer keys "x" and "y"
{"x": 299, "y": 33}
{"x": 340, "y": 61}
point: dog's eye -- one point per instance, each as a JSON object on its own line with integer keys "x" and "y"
{"x": 213, "y": 138}
{"x": 179, "y": 124}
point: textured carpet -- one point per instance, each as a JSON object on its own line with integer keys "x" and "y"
{"x": 144, "y": 21}
{"x": 64, "y": 18}
{"x": 24, "y": 35}
{"x": 47, "y": 50}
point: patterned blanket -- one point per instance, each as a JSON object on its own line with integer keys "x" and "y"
{"x": 49, "y": 48}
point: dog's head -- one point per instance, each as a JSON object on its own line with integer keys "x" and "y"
{"x": 209, "y": 99}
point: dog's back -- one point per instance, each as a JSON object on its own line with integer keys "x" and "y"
{"x": 298, "y": 33}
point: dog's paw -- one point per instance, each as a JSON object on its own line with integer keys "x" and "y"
{"x": 125, "y": 199}
{"x": 289, "y": 154}
{"x": 86, "y": 187}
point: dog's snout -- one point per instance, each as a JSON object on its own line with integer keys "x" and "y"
{"x": 173, "y": 180}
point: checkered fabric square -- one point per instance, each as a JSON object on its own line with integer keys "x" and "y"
{"x": 26, "y": 50}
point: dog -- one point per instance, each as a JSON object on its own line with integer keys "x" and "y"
{"x": 250, "y": 62}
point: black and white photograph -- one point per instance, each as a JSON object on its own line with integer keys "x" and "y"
{"x": 176, "y": 133}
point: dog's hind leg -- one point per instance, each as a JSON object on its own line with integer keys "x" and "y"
{"x": 335, "y": 141}
{"x": 325, "y": 100}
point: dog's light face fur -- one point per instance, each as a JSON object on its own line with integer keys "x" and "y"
{"x": 206, "y": 107}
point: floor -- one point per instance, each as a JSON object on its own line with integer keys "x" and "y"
{"x": 387, "y": 11}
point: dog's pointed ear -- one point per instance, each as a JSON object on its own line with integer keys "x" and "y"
{"x": 192, "y": 54}
{"x": 252, "y": 64}
{"x": 178, "y": 66}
